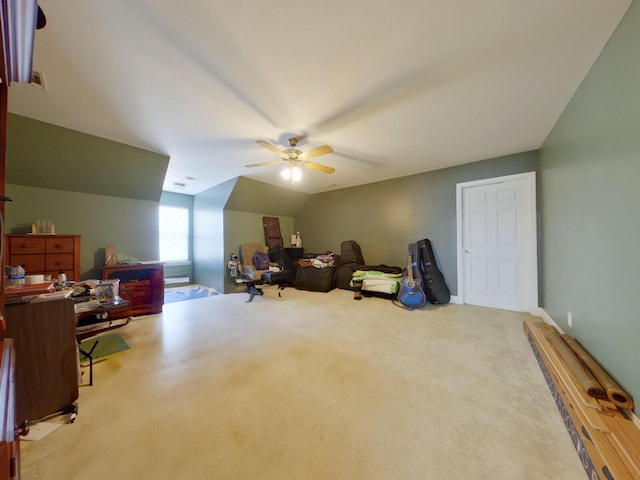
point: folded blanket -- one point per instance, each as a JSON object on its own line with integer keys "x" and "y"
{"x": 375, "y": 281}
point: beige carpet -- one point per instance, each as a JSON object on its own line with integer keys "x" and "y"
{"x": 313, "y": 386}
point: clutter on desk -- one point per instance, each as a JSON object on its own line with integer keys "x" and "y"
{"x": 45, "y": 297}
{"x": 90, "y": 294}
{"x": 62, "y": 279}
{"x": 31, "y": 292}
{"x": 17, "y": 276}
{"x": 36, "y": 278}
{"x": 33, "y": 289}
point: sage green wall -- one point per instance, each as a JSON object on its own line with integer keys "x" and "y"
{"x": 385, "y": 217}
{"x": 43, "y": 155}
{"x": 209, "y": 262}
{"x": 130, "y": 225}
{"x": 590, "y": 168}
{"x": 270, "y": 200}
{"x": 105, "y": 191}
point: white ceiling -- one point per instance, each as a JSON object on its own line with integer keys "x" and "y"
{"x": 396, "y": 88}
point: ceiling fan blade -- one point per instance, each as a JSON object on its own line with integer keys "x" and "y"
{"x": 268, "y": 146}
{"x": 263, "y": 164}
{"x": 317, "y": 166}
{"x": 316, "y": 152}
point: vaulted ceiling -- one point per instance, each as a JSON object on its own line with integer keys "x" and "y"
{"x": 395, "y": 88}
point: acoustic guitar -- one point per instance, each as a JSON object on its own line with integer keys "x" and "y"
{"x": 410, "y": 294}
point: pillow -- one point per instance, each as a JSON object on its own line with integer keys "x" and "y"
{"x": 260, "y": 261}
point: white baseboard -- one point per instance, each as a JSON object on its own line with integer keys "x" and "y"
{"x": 455, "y": 299}
{"x": 547, "y": 318}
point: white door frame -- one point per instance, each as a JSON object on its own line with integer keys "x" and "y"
{"x": 533, "y": 256}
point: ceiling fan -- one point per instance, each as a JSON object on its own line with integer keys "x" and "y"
{"x": 295, "y": 157}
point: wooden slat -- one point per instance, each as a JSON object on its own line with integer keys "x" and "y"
{"x": 610, "y": 440}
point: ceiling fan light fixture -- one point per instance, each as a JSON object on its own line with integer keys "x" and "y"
{"x": 291, "y": 173}
{"x": 294, "y": 159}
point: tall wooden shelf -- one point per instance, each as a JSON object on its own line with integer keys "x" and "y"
{"x": 141, "y": 284}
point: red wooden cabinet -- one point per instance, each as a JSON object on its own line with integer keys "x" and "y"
{"x": 142, "y": 285}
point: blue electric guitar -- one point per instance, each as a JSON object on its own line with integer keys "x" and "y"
{"x": 410, "y": 294}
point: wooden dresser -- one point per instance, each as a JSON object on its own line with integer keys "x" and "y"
{"x": 46, "y": 254}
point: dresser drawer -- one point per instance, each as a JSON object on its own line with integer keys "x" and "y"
{"x": 30, "y": 263}
{"x": 59, "y": 261}
{"x": 138, "y": 292}
{"x": 25, "y": 245}
{"x": 59, "y": 245}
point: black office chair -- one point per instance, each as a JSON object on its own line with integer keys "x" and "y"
{"x": 286, "y": 275}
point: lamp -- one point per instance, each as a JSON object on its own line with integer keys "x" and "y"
{"x": 19, "y": 21}
{"x": 292, "y": 173}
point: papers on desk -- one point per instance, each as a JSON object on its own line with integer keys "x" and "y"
{"x": 44, "y": 297}
{"x": 32, "y": 289}
{"x": 14, "y": 294}
{"x": 95, "y": 304}
{"x": 86, "y": 306}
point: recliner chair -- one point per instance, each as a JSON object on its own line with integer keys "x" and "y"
{"x": 247, "y": 251}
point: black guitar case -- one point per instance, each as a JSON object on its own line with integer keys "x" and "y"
{"x": 414, "y": 251}
{"x": 433, "y": 281}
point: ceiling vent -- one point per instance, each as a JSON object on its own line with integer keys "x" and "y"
{"x": 38, "y": 80}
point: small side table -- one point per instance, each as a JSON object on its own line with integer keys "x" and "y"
{"x": 294, "y": 253}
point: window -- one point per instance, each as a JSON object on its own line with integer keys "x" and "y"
{"x": 174, "y": 234}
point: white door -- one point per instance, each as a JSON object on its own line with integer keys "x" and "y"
{"x": 497, "y": 244}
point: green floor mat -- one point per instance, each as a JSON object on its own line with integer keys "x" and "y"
{"x": 107, "y": 345}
